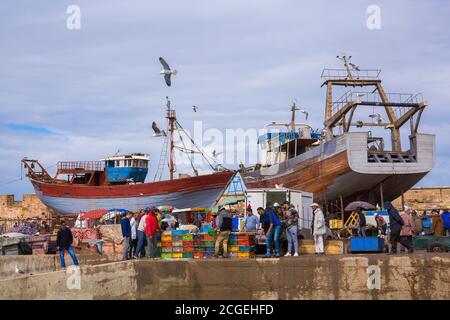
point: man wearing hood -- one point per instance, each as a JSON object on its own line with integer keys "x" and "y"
{"x": 395, "y": 225}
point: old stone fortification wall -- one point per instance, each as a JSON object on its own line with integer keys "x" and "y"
{"x": 30, "y": 207}
{"x": 425, "y": 198}
{"x": 418, "y": 276}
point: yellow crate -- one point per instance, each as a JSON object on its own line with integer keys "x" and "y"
{"x": 336, "y": 224}
{"x": 177, "y": 255}
{"x": 166, "y": 238}
{"x": 245, "y": 254}
{"x": 234, "y": 248}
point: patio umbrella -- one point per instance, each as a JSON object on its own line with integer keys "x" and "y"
{"x": 359, "y": 204}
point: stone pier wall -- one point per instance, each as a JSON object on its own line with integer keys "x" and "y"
{"x": 418, "y": 276}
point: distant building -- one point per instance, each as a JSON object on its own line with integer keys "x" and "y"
{"x": 29, "y": 207}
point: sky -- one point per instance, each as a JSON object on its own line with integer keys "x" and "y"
{"x": 84, "y": 94}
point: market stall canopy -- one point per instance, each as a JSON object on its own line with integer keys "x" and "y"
{"x": 94, "y": 214}
{"x": 112, "y": 213}
{"x": 352, "y": 206}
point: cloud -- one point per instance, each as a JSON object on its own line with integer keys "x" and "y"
{"x": 29, "y": 129}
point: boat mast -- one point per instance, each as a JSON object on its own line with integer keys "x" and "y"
{"x": 171, "y": 117}
{"x": 293, "y": 109}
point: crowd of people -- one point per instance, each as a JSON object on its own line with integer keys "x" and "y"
{"x": 139, "y": 230}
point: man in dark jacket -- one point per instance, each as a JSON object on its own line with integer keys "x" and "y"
{"x": 64, "y": 240}
{"x": 126, "y": 234}
{"x": 395, "y": 224}
{"x": 224, "y": 222}
{"x": 362, "y": 223}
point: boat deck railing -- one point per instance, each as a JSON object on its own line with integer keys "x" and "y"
{"x": 342, "y": 74}
{"x": 401, "y": 101}
{"x": 81, "y": 166}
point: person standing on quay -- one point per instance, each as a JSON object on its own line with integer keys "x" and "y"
{"x": 291, "y": 220}
{"x": 151, "y": 228}
{"x": 318, "y": 228}
{"x": 408, "y": 229}
{"x": 64, "y": 240}
{"x": 140, "y": 235}
{"x": 395, "y": 225}
{"x": 225, "y": 226}
{"x": 126, "y": 234}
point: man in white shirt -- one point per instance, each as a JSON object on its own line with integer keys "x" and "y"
{"x": 133, "y": 244}
{"x": 140, "y": 235}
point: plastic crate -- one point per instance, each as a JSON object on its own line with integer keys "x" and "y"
{"x": 208, "y": 237}
{"x": 209, "y": 243}
{"x": 177, "y": 243}
{"x": 208, "y": 254}
{"x": 166, "y": 238}
{"x": 178, "y": 232}
{"x": 245, "y": 254}
{"x": 177, "y": 255}
{"x": 244, "y": 243}
{"x": 232, "y": 242}
{"x": 188, "y": 243}
{"x": 233, "y": 248}
{"x": 177, "y": 249}
{"x": 188, "y": 237}
{"x": 367, "y": 244}
{"x": 209, "y": 249}
{"x": 188, "y": 249}
{"x": 177, "y": 237}
{"x": 336, "y": 224}
{"x": 188, "y": 255}
{"x": 166, "y": 255}
{"x": 199, "y": 249}
{"x": 245, "y": 248}
{"x": 233, "y": 236}
{"x": 233, "y": 254}
{"x": 198, "y": 255}
{"x": 166, "y": 244}
{"x": 166, "y": 233}
{"x": 166, "y": 249}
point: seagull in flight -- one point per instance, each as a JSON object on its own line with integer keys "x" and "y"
{"x": 354, "y": 66}
{"x": 377, "y": 117}
{"x": 167, "y": 72}
{"x": 306, "y": 113}
{"x": 215, "y": 154}
{"x": 195, "y": 108}
{"x": 157, "y": 131}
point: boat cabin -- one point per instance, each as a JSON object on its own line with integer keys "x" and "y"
{"x": 126, "y": 168}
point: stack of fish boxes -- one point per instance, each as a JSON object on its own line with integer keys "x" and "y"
{"x": 177, "y": 244}
{"x": 166, "y": 245}
{"x": 204, "y": 245}
{"x": 241, "y": 245}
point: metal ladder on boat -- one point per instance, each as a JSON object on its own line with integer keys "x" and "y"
{"x": 162, "y": 160}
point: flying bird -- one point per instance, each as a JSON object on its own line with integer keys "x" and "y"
{"x": 167, "y": 72}
{"x": 354, "y": 66}
{"x": 215, "y": 154}
{"x": 19, "y": 271}
{"x": 195, "y": 108}
{"x": 157, "y": 131}
{"x": 306, "y": 113}
{"x": 377, "y": 117}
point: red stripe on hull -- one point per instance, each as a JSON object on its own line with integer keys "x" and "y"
{"x": 205, "y": 182}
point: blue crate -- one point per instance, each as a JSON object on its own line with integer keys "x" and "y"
{"x": 178, "y": 232}
{"x": 206, "y": 229}
{"x": 235, "y": 223}
{"x": 245, "y": 248}
{"x": 367, "y": 244}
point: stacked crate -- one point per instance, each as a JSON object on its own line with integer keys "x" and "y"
{"x": 177, "y": 244}
{"x": 204, "y": 245}
{"x": 166, "y": 245}
{"x": 241, "y": 245}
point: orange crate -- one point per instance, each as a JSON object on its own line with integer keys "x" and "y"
{"x": 188, "y": 249}
{"x": 208, "y": 237}
{"x": 198, "y": 255}
{"x": 166, "y": 244}
{"x": 243, "y": 243}
{"x": 234, "y": 248}
{"x": 166, "y": 238}
{"x": 188, "y": 243}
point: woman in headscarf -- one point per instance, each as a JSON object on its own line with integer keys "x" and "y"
{"x": 395, "y": 225}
